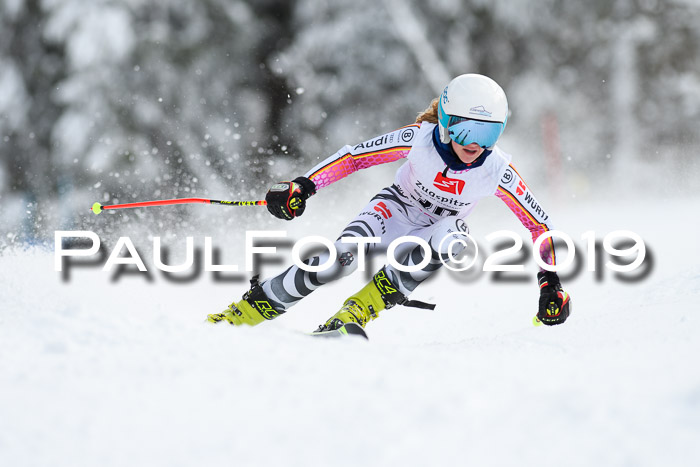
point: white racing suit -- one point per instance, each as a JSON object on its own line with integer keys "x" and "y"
{"x": 427, "y": 200}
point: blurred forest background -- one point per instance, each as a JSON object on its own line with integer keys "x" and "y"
{"x": 127, "y": 100}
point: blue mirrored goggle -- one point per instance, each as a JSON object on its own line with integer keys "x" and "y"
{"x": 465, "y": 131}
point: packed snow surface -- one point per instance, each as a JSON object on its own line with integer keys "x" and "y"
{"x": 101, "y": 372}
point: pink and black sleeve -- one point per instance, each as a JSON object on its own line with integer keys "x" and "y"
{"x": 380, "y": 150}
{"x": 513, "y": 191}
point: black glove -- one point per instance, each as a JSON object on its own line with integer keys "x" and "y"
{"x": 555, "y": 304}
{"x": 287, "y": 200}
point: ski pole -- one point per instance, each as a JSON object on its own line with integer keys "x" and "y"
{"x": 98, "y": 208}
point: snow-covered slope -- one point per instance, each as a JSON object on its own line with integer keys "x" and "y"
{"x": 94, "y": 372}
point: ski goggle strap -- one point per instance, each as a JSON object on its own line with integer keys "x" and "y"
{"x": 465, "y": 131}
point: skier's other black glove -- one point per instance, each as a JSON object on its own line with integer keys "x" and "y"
{"x": 287, "y": 200}
{"x": 555, "y": 304}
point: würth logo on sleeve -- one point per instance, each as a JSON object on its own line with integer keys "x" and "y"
{"x": 449, "y": 185}
{"x": 383, "y": 210}
{"x": 521, "y": 188}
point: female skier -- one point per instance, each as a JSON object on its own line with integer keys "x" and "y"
{"x": 452, "y": 163}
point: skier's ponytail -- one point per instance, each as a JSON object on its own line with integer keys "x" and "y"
{"x": 430, "y": 114}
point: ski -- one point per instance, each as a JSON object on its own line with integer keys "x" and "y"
{"x": 349, "y": 329}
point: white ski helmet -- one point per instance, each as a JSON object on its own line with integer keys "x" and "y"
{"x": 472, "y": 109}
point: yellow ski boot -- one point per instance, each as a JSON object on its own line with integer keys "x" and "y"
{"x": 253, "y": 309}
{"x": 366, "y": 304}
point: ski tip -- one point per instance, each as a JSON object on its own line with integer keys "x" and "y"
{"x": 96, "y": 208}
{"x": 349, "y": 329}
{"x": 536, "y": 321}
{"x": 355, "y": 330}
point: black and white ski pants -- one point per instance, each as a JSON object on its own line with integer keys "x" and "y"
{"x": 389, "y": 215}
